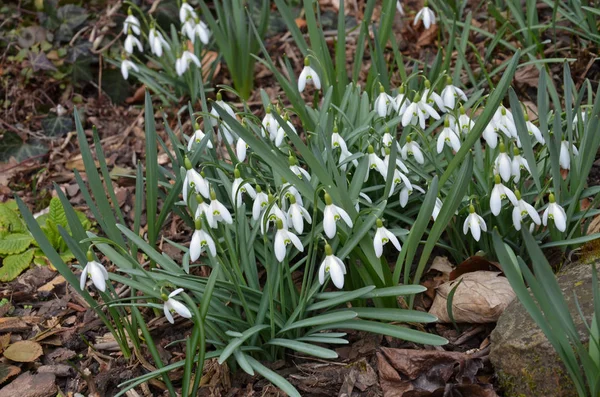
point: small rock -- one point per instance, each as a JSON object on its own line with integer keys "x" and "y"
{"x": 29, "y": 385}
{"x": 60, "y": 370}
{"x": 526, "y": 363}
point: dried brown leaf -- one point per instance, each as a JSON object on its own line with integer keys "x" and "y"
{"x": 473, "y": 264}
{"x": 25, "y": 351}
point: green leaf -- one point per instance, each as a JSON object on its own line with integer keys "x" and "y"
{"x": 57, "y": 213}
{"x": 13, "y": 265}
{"x": 15, "y": 243}
{"x": 11, "y": 145}
{"x": 56, "y": 126}
{"x": 70, "y": 17}
{"x": 322, "y": 319}
{"x": 303, "y": 347}
{"x": 114, "y": 86}
{"x": 342, "y": 298}
{"x": 273, "y": 377}
{"x": 10, "y": 221}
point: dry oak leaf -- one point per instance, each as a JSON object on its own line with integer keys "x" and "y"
{"x": 25, "y": 351}
{"x": 480, "y": 298}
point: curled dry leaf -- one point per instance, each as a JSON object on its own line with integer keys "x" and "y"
{"x": 480, "y": 298}
{"x": 473, "y": 264}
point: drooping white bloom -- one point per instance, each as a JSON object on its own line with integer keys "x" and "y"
{"x": 202, "y": 207}
{"x": 186, "y": 12}
{"x": 448, "y": 137}
{"x": 465, "y": 124}
{"x": 202, "y": 31}
{"x": 127, "y": 65}
{"x": 334, "y": 266}
{"x": 450, "y": 95}
{"x": 173, "y": 306}
{"x": 331, "y": 214}
{"x": 474, "y": 223}
{"x": 500, "y": 192}
{"x": 418, "y": 112}
{"x": 217, "y": 212}
{"x": 201, "y": 241}
{"x": 260, "y": 203}
{"x": 131, "y": 23}
{"x": 96, "y": 272}
{"x": 337, "y": 141}
{"x": 297, "y": 214}
{"x": 437, "y": 208}
{"x": 364, "y": 197}
{"x": 535, "y": 131}
{"x": 239, "y": 187}
{"x": 288, "y": 190}
{"x": 183, "y": 62}
{"x": 308, "y": 74}
{"x": 269, "y": 124}
{"x": 197, "y": 137}
{"x": 281, "y": 133}
{"x": 283, "y": 237}
{"x": 555, "y": 212}
{"x": 383, "y": 103}
{"x": 297, "y": 170}
{"x": 405, "y": 193}
{"x": 412, "y": 148}
{"x": 375, "y": 163}
{"x": 195, "y": 180}
{"x": 432, "y": 97}
{"x": 132, "y": 41}
{"x": 387, "y": 140}
{"x": 272, "y": 216}
{"x": 399, "y": 7}
{"x": 189, "y": 28}
{"x": 224, "y": 127}
{"x": 521, "y": 210}
{"x": 490, "y": 134}
{"x": 565, "y": 156}
{"x": 427, "y": 15}
{"x": 240, "y": 149}
{"x": 382, "y": 237}
{"x": 502, "y": 164}
{"x": 399, "y": 163}
{"x": 401, "y": 102}
{"x": 398, "y": 178}
{"x": 518, "y": 163}
{"x": 504, "y": 121}
{"x": 344, "y": 154}
{"x": 157, "y": 42}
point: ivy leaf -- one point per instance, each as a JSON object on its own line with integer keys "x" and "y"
{"x": 115, "y": 87}
{"x": 40, "y": 61}
{"x": 80, "y": 69}
{"x": 70, "y": 17}
{"x": 57, "y": 125}
{"x": 15, "y": 243}
{"x": 11, "y": 145}
{"x": 14, "y": 265}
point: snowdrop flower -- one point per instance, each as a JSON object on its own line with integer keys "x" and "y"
{"x": 427, "y": 15}
{"x": 297, "y": 214}
{"x": 387, "y": 139}
{"x": 518, "y": 163}
{"x": 405, "y": 193}
{"x": 239, "y": 187}
{"x": 197, "y": 137}
{"x": 261, "y": 200}
{"x": 269, "y": 124}
{"x": 95, "y": 271}
{"x": 383, "y": 102}
{"x": 273, "y": 215}
{"x": 127, "y": 65}
{"x": 202, "y": 31}
{"x": 521, "y": 210}
{"x": 474, "y": 223}
{"x": 448, "y": 137}
{"x": 565, "y": 156}
{"x": 195, "y": 180}
{"x": 217, "y": 212}
{"x": 502, "y": 164}
{"x": 131, "y": 23}
{"x": 418, "y": 111}
{"x": 465, "y": 124}
{"x": 308, "y": 74}
{"x": 189, "y": 28}
{"x": 399, "y": 7}
{"x": 400, "y": 102}
{"x": 499, "y": 193}
{"x": 451, "y": 93}
{"x": 432, "y": 97}
{"x": 201, "y": 241}
{"x": 183, "y": 62}
{"x": 503, "y": 120}
{"x": 437, "y": 208}
{"x": 186, "y": 11}
{"x": 375, "y": 163}
{"x": 382, "y": 237}
{"x": 555, "y": 212}
{"x": 331, "y": 214}
{"x": 364, "y": 197}
{"x": 343, "y": 156}
{"x": 490, "y": 134}
{"x": 397, "y": 179}
{"x": 337, "y": 141}
{"x": 157, "y": 42}
{"x": 132, "y": 41}
{"x": 399, "y": 163}
{"x": 241, "y": 147}
{"x": 412, "y": 148}
{"x": 533, "y": 130}
{"x": 173, "y": 306}
{"x": 283, "y": 237}
{"x": 297, "y": 170}
{"x": 281, "y": 131}
{"x": 334, "y": 266}
{"x": 290, "y": 190}
{"x": 224, "y": 128}
{"x": 202, "y": 207}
